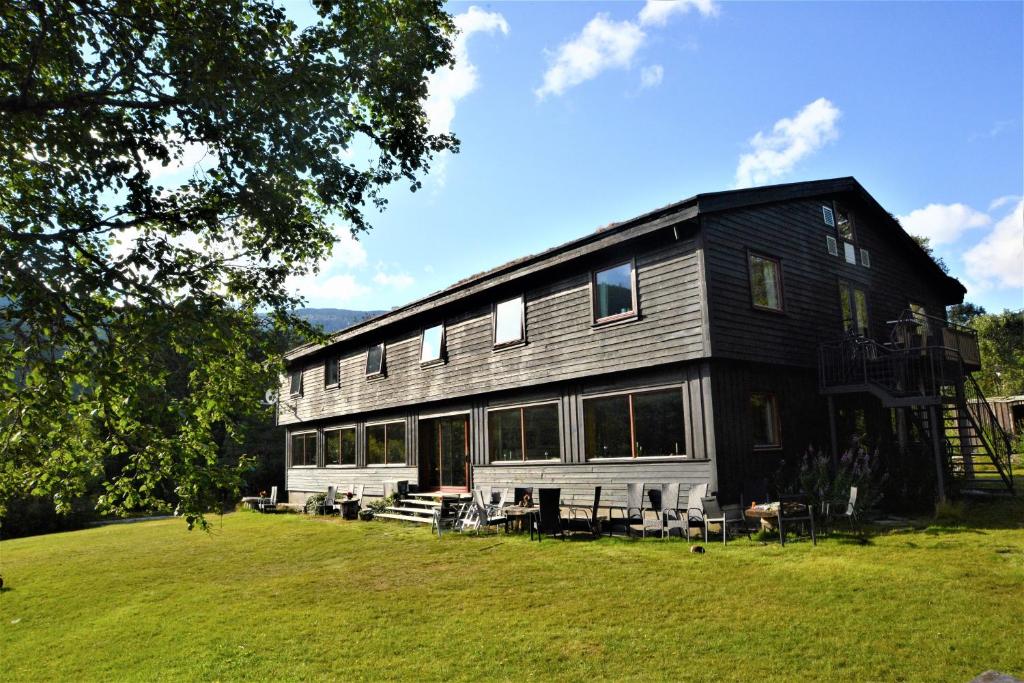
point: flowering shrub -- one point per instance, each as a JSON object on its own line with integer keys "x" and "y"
{"x": 828, "y": 484}
{"x": 314, "y": 502}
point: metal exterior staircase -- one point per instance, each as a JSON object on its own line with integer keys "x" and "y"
{"x": 976, "y": 448}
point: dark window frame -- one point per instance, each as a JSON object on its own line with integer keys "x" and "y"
{"x": 521, "y": 409}
{"x": 291, "y": 382}
{"x": 316, "y": 448}
{"x": 634, "y": 314}
{"x": 355, "y": 444}
{"x": 836, "y": 203}
{"x": 385, "y": 425}
{"x": 442, "y": 357}
{"x": 773, "y": 400}
{"x": 681, "y": 389}
{"x": 382, "y": 370}
{"x": 751, "y": 254}
{"x": 851, "y": 287}
{"x": 335, "y": 362}
{"x": 494, "y": 324}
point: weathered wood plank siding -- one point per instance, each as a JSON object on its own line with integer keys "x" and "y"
{"x": 562, "y": 343}
{"x": 794, "y": 232}
{"x": 578, "y": 481}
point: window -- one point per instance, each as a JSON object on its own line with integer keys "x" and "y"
{"x": 634, "y": 425}
{"x": 764, "y": 412}
{"x": 295, "y": 380}
{"x": 828, "y": 216}
{"x": 304, "y": 449}
{"x": 765, "y": 282}
{"x": 331, "y": 371}
{"x": 853, "y": 302}
{"x": 844, "y": 222}
{"x": 340, "y": 446}
{"x": 614, "y": 293}
{"x": 830, "y": 244}
{"x": 535, "y": 426}
{"x": 865, "y": 258}
{"x": 508, "y": 322}
{"x": 432, "y": 344}
{"x": 850, "y": 252}
{"x": 375, "y": 360}
{"x": 385, "y": 444}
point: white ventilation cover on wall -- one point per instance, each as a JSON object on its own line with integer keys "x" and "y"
{"x": 829, "y": 218}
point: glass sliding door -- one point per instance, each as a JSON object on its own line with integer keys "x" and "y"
{"x": 453, "y": 433}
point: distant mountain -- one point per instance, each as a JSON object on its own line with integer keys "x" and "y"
{"x": 334, "y": 319}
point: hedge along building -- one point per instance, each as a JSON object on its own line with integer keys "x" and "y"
{"x": 687, "y": 344}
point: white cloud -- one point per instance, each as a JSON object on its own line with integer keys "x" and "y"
{"x": 657, "y": 12}
{"x": 603, "y": 44}
{"x": 448, "y": 86}
{"x": 396, "y": 280}
{"x": 790, "y": 141}
{"x": 1003, "y": 201}
{"x": 998, "y": 259}
{"x": 650, "y": 76}
{"x": 943, "y": 223}
{"x": 331, "y": 291}
{"x": 346, "y": 252}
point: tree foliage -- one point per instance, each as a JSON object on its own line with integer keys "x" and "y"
{"x": 1001, "y": 341}
{"x": 138, "y": 320}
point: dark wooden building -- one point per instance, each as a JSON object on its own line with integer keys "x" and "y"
{"x": 689, "y": 344}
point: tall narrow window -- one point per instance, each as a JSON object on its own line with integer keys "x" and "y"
{"x": 614, "y": 293}
{"x": 853, "y": 303}
{"x": 634, "y": 425}
{"x": 304, "y": 449}
{"x": 765, "y": 282}
{"x": 375, "y": 360}
{"x": 295, "y": 381}
{"x": 385, "y": 444}
{"x": 432, "y": 344}
{"x": 844, "y": 222}
{"x": 526, "y": 433}
{"x": 764, "y": 412}
{"x": 340, "y": 446}
{"x": 331, "y": 371}
{"x": 508, "y": 322}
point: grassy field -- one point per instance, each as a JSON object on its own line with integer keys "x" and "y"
{"x": 297, "y": 598}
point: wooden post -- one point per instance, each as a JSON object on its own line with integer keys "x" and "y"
{"x": 902, "y": 437}
{"x": 940, "y": 474}
{"x": 832, "y": 430}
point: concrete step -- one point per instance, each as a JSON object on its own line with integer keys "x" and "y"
{"x": 403, "y": 518}
{"x": 411, "y": 511}
{"x": 427, "y": 504}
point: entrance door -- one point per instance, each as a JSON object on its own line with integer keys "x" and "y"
{"x": 444, "y": 453}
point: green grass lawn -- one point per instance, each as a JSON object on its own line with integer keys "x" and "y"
{"x": 290, "y": 597}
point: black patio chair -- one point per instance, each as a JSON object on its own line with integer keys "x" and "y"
{"x": 584, "y": 519}
{"x": 550, "y": 521}
{"x": 801, "y": 513}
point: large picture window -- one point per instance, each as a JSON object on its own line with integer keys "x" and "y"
{"x": 765, "y": 282}
{"x": 432, "y": 344}
{"x": 853, "y": 302}
{"x": 526, "y": 433}
{"x": 764, "y": 412}
{"x": 508, "y": 322}
{"x": 304, "y": 449}
{"x": 340, "y": 446}
{"x": 375, "y": 360}
{"x": 614, "y": 293}
{"x": 385, "y": 444}
{"x": 634, "y": 425}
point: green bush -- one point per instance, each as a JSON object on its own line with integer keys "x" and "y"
{"x": 315, "y": 502}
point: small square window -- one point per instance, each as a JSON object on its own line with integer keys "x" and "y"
{"x": 828, "y": 216}
{"x": 375, "y": 360}
{"x": 432, "y": 344}
{"x": 614, "y": 293}
{"x": 764, "y": 412}
{"x": 833, "y": 247}
{"x": 331, "y": 372}
{"x": 508, "y": 322}
{"x": 296, "y": 383}
{"x": 765, "y": 282}
{"x": 865, "y": 258}
{"x": 850, "y": 252}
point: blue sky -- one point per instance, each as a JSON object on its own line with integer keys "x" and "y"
{"x": 575, "y": 115}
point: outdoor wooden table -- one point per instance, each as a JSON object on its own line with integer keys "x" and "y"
{"x": 530, "y": 514}
{"x": 253, "y": 502}
{"x": 769, "y": 513}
